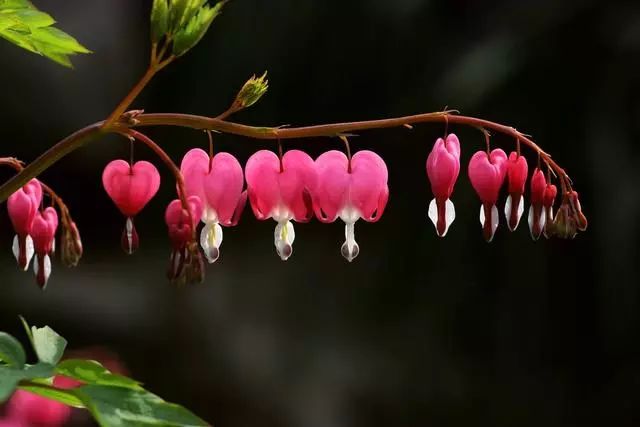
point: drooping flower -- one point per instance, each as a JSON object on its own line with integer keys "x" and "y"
{"x": 130, "y": 188}
{"x": 486, "y": 172}
{"x": 443, "y": 167}
{"x": 281, "y": 189}
{"x": 71, "y": 244}
{"x": 218, "y": 182}
{"x": 185, "y": 262}
{"x": 569, "y": 218}
{"x": 548, "y": 200}
{"x": 517, "y": 171}
{"x": 537, "y": 212}
{"x": 350, "y": 189}
{"x": 43, "y": 232}
{"x": 23, "y": 206}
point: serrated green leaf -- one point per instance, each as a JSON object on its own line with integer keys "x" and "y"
{"x": 33, "y": 18}
{"x": 49, "y": 346}
{"x": 11, "y": 351}
{"x": 159, "y": 20}
{"x": 24, "y": 25}
{"x": 191, "y": 33}
{"x": 15, "y": 4}
{"x": 92, "y": 372}
{"x": 66, "y": 397}
{"x": 122, "y": 407}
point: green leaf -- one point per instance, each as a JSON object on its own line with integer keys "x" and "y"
{"x": 24, "y": 25}
{"x": 49, "y": 346}
{"x": 11, "y": 351}
{"x": 92, "y": 372}
{"x": 11, "y": 376}
{"x": 159, "y": 20}
{"x": 66, "y": 397}
{"x": 122, "y": 407}
{"x": 9, "y": 379}
{"x": 190, "y": 34}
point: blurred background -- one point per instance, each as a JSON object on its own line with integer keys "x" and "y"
{"x": 418, "y": 330}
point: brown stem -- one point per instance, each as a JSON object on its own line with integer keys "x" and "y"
{"x": 132, "y": 95}
{"x": 332, "y": 130}
{"x": 83, "y": 136}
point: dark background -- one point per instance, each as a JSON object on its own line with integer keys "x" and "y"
{"x": 418, "y": 330}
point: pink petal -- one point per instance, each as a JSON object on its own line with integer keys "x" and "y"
{"x": 223, "y": 186}
{"x": 44, "y": 229}
{"x": 297, "y": 182}
{"x": 23, "y": 205}
{"x": 517, "y": 171}
{"x": 194, "y": 169}
{"x": 368, "y": 191}
{"x": 130, "y": 188}
{"x": 487, "y": 176}
{"x": 443, "y": 167}
{"x": 262, "y": 172}
{"x": 332, "y": 191}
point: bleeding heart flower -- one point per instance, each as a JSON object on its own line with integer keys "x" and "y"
{"x": 548, "y": 200}
{"x": 130, "y": 188}
{"x": 443, "y": 167}
{"x": 486, "y": 173}
{"x": 350, "y": 190}
{"x": 218, "y": 182}
{"x": 537, "y": 214}
{"x": 281, "y": 190}
{"x": 185, "y": 262}
{"x": 23, "y": 206}
{"x": 43, "y": 232}
{"x": 517, "y": 171}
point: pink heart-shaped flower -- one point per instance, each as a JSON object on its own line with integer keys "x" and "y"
{"x": 130, "y": 187}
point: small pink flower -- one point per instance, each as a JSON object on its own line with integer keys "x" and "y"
{"x": 181, "y": 225}
{"x": 443, "y": 167}
{"x": 281, "y": 190}
{"x": 43, "y": 232}
{"x": 130, "y": 188}
{"x": 486, "y": 173}
{"x": 23, "y": 206}
{"x": 517, "y": 171}
{"x": 350, "y": 191}
{"x": 218, "y": 183}
{"x": 537, "y": 214}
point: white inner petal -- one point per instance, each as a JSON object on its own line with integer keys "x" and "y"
{"x": 47, "y": 269}
{"x": 284, "y": 235}
{"x": 129, "y": 230}
{"x": 350, "y": 249}
{"x": 494, "y": 219}
{"x": 15, "y": 248}
{"x": 542, "y": 221}
{"x": 508, "y": 208}
{"x": 449, "y": 213}
{"x": 433, "y": 213}
{"x": 210, "y": 240}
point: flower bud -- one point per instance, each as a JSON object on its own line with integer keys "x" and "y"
{"x": 252, "y": 91}
{"x": 71, "y": 244}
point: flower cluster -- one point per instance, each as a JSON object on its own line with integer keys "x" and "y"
{"x": 488, "y": 171}
{"x": 291, "y": 188}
